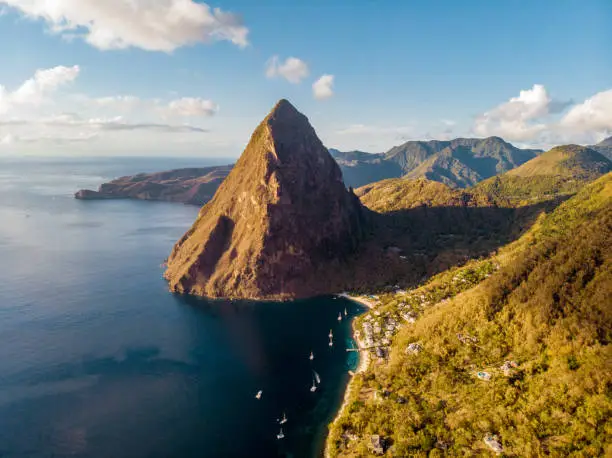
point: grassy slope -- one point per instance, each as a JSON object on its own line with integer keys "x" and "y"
{"x": 561, "y": 171}
{"x": 402, "y": 194}
{"x": 570, "y": 161}
{"x": 547, "y": 308}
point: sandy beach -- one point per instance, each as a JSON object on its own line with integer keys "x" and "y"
{"x": 364, "y": 361}
{"x": 360, "y": 299}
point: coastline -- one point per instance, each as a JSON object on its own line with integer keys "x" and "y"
{"x": 364, "y": 363}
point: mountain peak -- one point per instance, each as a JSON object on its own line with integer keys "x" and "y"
{"x": 283, "y": 106}
{"x": 284, "y": 113}
{"x": 279, "y": 225}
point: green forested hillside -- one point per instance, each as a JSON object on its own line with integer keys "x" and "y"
{"x": 572, "y": 161}
{"x": 561, "y": 170}
{"x": 402, "y": 194}
{"x": 515, "y": 346}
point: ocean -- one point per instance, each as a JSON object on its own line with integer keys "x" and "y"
{"x": 98, "y": 359}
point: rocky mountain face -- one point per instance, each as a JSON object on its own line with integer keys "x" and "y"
{"x": 461, "y": 162}
{"x": 281, "y": 224}
{"x": 194, "y": 186}
{"x": 604, "y": 147}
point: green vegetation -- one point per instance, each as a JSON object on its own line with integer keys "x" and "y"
{"x": 516, "y": 346}
{"x": 569, "y": 161}
{"x": 562, "y": 171}
{"x": 402, "y": 194}
{"x": 533, "y": 188}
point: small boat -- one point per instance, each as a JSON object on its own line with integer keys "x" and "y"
{"x": 258, "y": 395}
{"x": 339, "y": 316}
{"x": 317, "y": 378}
{"x": 311, "y": 357}
{"x": 331, "y": 342}
{"x": 284, "y": 419}
{"x": 280, "y": 435}
{"x": 331, "y": 334}
{"x": 345, "y": 312}
{"x": 313, "y": 388}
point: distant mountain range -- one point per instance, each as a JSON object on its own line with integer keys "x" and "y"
{"x": 562, "y": 170}
{"x": 460, "y": 163}
{"x": 359, "y": 168}
{"x": 604, "y": 147}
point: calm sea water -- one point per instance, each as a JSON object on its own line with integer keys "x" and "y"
{"x": 97, "y": 359}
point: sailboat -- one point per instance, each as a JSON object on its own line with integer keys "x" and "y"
{"x": 258, "y": 395}
{"x": 284, "y": 419}
{"x": 339, "y": 316}
{"x": 311, "y": 357}
{"x": 313, "y": 388}
{"x": 280, "y": 435}
{"x": 317, "y": 378}
{"x": 345, "y": 312}
{"x": 331, "y": 334}
{"x": 331, "y": 342}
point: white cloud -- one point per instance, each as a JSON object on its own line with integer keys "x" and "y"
{"x": 119, "y": 102}
{"x": 34, "y": 90}
{"x": 293, "y": 69}
{"x": 36, "y": 116}
{"x": 529, "y": 119}
{"x": 152, "y": 25}
{"x": 515, "y": 120}
{"x": 594, "y": 116}
{"x": 323, "y": 87}
{"x": 192, "y": 107}
{"x": 6, "y": 139}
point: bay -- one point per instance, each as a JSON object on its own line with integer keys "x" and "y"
{"x": 98, "y": 359}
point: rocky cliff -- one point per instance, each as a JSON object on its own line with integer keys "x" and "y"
{"x": 194, "y": 186}
{"x": 281, "y": 225}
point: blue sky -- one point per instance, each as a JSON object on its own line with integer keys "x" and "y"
{"x": 398, "y": 70}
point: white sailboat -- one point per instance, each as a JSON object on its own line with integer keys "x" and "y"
{"x": 280, "y": 435}
{"x": 345, "y": 312}
{"x": 311, "y": 357}
{"x": 331, "y": 334}
{"x": 258, "y": 395}
{"x": 339, "y": 316}
{"x": 313, "y": 388}
{"x": 331, "y": 342}
{"x": 284, "y": 419}
{"x": 317, "y": 378}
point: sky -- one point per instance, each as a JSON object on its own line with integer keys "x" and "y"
{"x": 188, "y": 78}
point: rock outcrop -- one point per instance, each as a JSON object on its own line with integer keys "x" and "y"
{"x": 282, "y": 225}
{"x": 194, "y": 186}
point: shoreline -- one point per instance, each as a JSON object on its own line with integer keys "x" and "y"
{"x": 364, "y": 363}
{"x": 359, "y": 299}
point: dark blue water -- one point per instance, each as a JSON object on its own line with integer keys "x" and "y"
{"x": 97, "y": 359}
